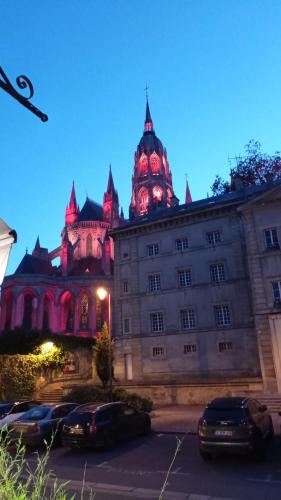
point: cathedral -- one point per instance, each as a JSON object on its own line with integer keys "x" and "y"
{"x": 193, "y": 290}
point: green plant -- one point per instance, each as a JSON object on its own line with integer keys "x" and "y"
{"x": 94, "y": 393}
{"x": 104, "y": 355}
{"x": 18, "y": 481}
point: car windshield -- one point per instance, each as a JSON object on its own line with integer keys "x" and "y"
{"x": 36, "y": 413}
{"x": 5, "y": 408}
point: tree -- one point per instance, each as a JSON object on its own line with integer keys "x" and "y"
{"x": 255, "y": 168}
{"x": 104, "y": 356}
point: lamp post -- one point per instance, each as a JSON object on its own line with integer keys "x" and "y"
{"x": 102, "y": 293}
{"x": 7, "y": 238}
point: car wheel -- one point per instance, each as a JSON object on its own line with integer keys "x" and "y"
{"x": 205, "y": 455}
{"x": 259, "y": 449}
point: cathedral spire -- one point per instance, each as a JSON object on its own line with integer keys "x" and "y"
{"x": 110, "y": 183}
{"x": 188, "y": 198}
{"x": 148, "y": 124}
{"x": 72, "y": 210}
{"x": 37, "y": 244}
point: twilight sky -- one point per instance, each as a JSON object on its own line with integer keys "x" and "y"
{"x": 213, "y": 68}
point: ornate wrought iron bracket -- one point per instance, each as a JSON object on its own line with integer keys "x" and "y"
{"x": 23, "y": 82}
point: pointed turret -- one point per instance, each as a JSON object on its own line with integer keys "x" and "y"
{"x": 110, "y": 183}
{"x": 38, "y": 251}
{"x": 188, "y": 198}
{"x": 148, "y": 124}
{"x": 72, "y": 210}
{"x": 111, "y": 202}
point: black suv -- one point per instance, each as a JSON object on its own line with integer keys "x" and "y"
{"x": 104, "y": 425}
{"x": 234, "y": 424}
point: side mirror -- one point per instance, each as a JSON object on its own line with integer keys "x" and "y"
{"x": 263, "y": 408}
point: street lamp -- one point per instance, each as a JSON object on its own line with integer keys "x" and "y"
{"x": 102, "y": 293}
{"x": 7, "y": 238}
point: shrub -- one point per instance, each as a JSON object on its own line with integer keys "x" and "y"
{"x": 93, "y": 393}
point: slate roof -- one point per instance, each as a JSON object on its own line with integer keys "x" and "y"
{"x": 240, "y": 196}
{"x": 91, "y": 211}
{"x": 87, "y": 266}
{"x": 34, "y": 265}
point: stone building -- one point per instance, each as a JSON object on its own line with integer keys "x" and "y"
{"x": 63, "y": 299}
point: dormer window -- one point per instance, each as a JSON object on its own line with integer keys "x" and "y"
{"x": 271, "y": 239}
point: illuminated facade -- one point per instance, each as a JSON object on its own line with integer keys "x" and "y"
{"x": 63, "y": 299}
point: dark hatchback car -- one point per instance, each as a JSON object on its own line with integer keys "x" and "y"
{"x": 93, "y": 425}
{"x": 234, "y": 424}
{"x": 12, "y": 410}
{"x": 40, "y": 424}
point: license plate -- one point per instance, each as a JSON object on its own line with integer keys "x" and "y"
{"x": 76, "y": 431}
{"x": 223, "y": 433}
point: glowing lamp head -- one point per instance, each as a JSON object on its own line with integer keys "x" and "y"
{"x": 47, "y": 347}
{"x": 101, "y": 293}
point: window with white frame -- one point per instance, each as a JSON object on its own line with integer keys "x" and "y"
{"x": 152, "y": 250}
{"x": 271, "y": 238}
{"x": 213, "y": 237}
{"x": 189, "y": 348}
{"x": 125, "y": 286}
{"x": 157, "y": 322}
{"x": 217, "y": 272}
{"x": 126, "y": 325}
{"x": 222, "y": 314}
{"x": 184, "y": 278}
{"x": 158, "y": 352}
{"x": 276, "y": 290}
{"x": 225, "y": 346}
{"x": 188, "y": 320}
{"x": 154, "y": 282}
{"x": 181, "y": 244}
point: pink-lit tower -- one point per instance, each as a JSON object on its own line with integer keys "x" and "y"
{"x": 111, "y": 203}
{"x": 152, "y": 185}
{"x": 72, "y": 210}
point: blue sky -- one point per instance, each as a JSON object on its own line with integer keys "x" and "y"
{"x": 213, "y": 68}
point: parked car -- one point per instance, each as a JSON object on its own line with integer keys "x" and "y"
{"x": 41, "y": 423}
{"x": 234, "y": 424}
{"x": 92, "y": 425}
{"x": 12, "y": 410}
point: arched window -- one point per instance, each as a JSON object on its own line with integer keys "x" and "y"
{"x": 47, "y": 311}
{"x": 27, "y": 312}
{"x": 143, "y": 162}
{"x": 143, "y": 200}
{"x": 84, "y": 312}
{"x": 157, "y": 193}
{"x": 67, "y": 304}
{"x": 89, "y": 245}
{"x": 154, "y": 163}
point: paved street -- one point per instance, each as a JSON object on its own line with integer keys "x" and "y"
{"x": 137, "y": 469}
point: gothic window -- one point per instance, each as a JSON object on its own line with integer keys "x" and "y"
{"x": 46, "y": 313}
{"x": 89, "y": 245}
{"x": 27, "y": 314}
{"x": 84, "y": 312}
{"x": 169, "y": 196}
{"x": 143, "y": 165}
{"x": 143, "y": 200}
{"x": 157, "y": 193}
{"x": 154, "y": 163}
{"x": 69, "y": 313}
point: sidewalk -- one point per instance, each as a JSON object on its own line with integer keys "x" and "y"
{"x": 184, "y": 418}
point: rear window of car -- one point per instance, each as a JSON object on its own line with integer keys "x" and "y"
{"x": 5, "y": 408}
{"x": 76, "y": 417}
{"x": 36, "y": 413}
{"x": 224, "y": 413}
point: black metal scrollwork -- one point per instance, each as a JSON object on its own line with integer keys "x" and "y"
{"x": 23, "y": 83}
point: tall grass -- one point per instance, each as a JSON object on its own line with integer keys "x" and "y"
{"x": 20, "y": 481}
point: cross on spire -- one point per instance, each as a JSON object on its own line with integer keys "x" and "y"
{"x": 146, "y": 89}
